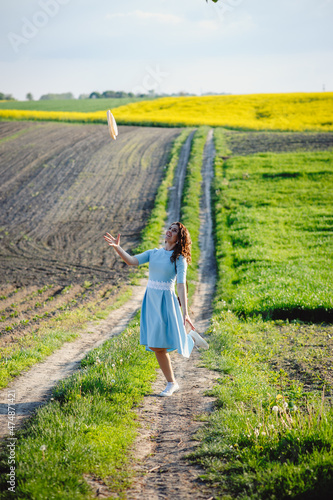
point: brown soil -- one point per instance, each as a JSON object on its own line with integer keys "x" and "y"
{"x": 9, "y": 129}
{"x": 62, "y": 187}
{"x": 306, "y": 354}
{"x": 246, "y": 143}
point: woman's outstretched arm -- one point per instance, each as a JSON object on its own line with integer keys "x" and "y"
{"x": 115, "y": 243}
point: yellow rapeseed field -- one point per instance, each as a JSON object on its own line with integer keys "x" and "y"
{"x": 61, "y": 116}
{"x": 301, "y": 111}
{"x": 294, "y": 111}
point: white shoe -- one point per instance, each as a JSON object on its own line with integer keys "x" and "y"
{"x": 170, "y": 389}
{"x": 198, "y": 340}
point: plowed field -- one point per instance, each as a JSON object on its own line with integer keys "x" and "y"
{"x": 62, "y": 187}
{"x": 246, "y": 143}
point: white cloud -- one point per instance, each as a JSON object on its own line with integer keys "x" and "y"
{"x": 155, "y": 16}
{"x": 244, "y": 24}
{"x": 209, "y": 25}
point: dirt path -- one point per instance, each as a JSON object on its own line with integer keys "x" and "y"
{"x": 176, "y": 191}
{"x": 169, "y": 424}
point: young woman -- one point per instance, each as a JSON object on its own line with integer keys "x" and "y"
{"x": 162, "y": 326}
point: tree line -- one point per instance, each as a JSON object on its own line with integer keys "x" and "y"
{"x": 6, "y": 97}
{"x": 108, "y": 94}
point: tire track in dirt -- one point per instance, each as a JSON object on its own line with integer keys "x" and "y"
{"x": 175, "y": 197}
{"x": 33, "y": 388}
{"x": 169, "y": 424}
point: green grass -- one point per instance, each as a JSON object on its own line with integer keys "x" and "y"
{"x": 274, "y": 212}
{"x": 88, "y": 426}
{"x": 190, "y": 209}
{"x": 304, "y": 351}
{"x": 80, "y": 105}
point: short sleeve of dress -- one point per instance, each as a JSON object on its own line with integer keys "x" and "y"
{"x": 143, "y": 257}
{"x": 181, "y": 266}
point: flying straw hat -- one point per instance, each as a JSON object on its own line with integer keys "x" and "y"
{"x": 113, "y": 129}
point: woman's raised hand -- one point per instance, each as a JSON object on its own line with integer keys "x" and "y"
{"x": 113, "y": 242}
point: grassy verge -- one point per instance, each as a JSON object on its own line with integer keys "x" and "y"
{"x": 87, "y": 427}
{"x": 276, "y": 249}
{"x": 271, "y": 435}
{"x": 190, "y": 211}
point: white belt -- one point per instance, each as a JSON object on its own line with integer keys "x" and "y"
{"x": 161, "y": 285}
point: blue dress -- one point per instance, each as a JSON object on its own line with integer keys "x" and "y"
{"x": 161, "y": 317}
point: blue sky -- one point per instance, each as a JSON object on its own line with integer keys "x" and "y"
{"x": 234, "y": 46}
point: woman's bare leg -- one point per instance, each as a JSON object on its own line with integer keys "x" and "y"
{"x": 164, "y": 361}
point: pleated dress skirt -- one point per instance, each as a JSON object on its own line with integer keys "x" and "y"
{"x": 162, "y": 320}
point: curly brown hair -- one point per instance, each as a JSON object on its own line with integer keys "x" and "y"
{"x": 183, "y": 246}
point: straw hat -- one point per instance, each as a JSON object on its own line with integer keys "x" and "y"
{"x": 113, "y": 129}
